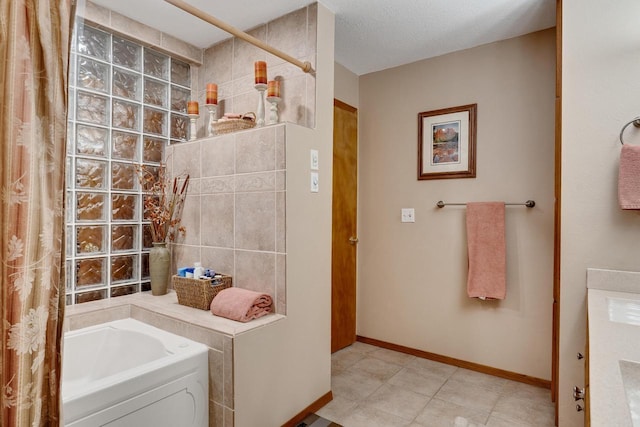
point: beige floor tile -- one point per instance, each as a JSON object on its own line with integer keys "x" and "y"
{"x": 433, "y": 367}
{"x": 354, "y": 385}
{"x": 364, "y": 416}
{"x": 468, "y": 395}
{"x": 526, "y": 391}
{"x": 525, "y": 410}
{"x": 397, "y": 401}
{"x": 344, "y": 359}
{"x": 337, "y": 409}
{"x": 479, "y": 379}
{"x": 392, "y": 356}
{"x": 375, "y": 387}
{"x": 465, "y": 422}
{"x": 362, "y": 347}
{"x": 418, "y": 380}
{"x": 376, "y": 368}
{"x": 439, "y": 413}
{"x": 498, "y": 422}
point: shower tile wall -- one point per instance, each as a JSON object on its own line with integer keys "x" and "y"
{"x": 230, "y": 65}
{"x": 235, "y": 211}
{"x": 222, "y": 201}
{"x": 143, "y": 33}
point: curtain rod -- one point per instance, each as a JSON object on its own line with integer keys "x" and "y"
{"x": 304, "y": 66}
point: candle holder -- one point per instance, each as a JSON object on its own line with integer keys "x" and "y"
{"x": 273, "y": 110}
{"x": 192, "y": 128}
{"x": 260, "y": 87}
{"x": 213, "y": 108}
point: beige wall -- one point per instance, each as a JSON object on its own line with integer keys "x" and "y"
{"x": 600, "y": 93}
{"x": 292, "y": 357}
{"x": 346, "y": 86}
{"x": 412, "y": 277}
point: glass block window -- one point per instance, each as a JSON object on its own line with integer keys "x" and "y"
{"x": 126, "y": 103}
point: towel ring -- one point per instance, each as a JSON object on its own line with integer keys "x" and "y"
{"x": 636, "y": 123}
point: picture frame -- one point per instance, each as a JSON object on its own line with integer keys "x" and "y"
{"x": 447, "y": 143}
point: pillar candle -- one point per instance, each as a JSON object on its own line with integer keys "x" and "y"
{"x": 192, "y": 107}
{"x": 261, "y": 72}
{"x": 273, "y": 88}
{"x": 212, "y": 93}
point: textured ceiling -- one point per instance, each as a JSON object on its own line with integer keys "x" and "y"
{"x": 371, "y": 35}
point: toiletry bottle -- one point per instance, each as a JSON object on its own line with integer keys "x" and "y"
{"x": 197, "y": 270}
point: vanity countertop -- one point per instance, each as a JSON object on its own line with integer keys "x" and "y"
{"x": 609, "y": 342}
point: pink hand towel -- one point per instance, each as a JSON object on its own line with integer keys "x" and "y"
{"x": 629, "y": 177}
{"x": 241, "y": 304}
{"x": 487, "y": 250}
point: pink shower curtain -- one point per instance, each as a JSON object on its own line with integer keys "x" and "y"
{"x": 34, "y": 43}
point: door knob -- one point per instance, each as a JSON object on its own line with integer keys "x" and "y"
{"x": 353, "y": 240}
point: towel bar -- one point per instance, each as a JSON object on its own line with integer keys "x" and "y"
{"x": 636, "y": 123}
{"x": 528, "y": 203}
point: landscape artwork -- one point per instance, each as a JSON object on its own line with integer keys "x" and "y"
{"x": 446, "y": 143}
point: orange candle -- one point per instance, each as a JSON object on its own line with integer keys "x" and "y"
{"x": 212, "y": 93}
{"x": 261, "y": 72}
{"x": 273, "y": 88}
{"x": 192, "y": 107}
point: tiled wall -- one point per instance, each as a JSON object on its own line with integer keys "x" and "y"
{"x": 146, "y": 35}
{"x": 230, "y": 64}
{"x": 234, "y": 213}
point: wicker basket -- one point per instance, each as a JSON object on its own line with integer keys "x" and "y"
{"x": 198, "y": 293}
{"x": 247, "y": 121}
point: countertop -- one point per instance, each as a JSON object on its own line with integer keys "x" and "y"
{"x": 610, "y": 342}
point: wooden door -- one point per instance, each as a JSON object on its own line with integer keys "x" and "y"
{"x": 344, "y": 237}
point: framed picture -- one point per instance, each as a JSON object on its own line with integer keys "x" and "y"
{"x": 447, "y": 143}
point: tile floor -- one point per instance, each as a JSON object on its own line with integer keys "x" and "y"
{"x": 376, "y": 387}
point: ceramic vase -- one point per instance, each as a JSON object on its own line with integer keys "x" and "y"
{"x": 159, "y": 263}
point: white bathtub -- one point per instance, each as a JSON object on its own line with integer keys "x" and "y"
{"x": 127, "y": 373}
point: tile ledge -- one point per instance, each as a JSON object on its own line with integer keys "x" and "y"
{"x": 167, "y": 305}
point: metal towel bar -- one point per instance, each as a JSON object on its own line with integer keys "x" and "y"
{"x": 528, "y": 203}
{"x": 636, "y": 123}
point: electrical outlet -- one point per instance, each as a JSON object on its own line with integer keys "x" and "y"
{"x": 408, "y": 215}
{"x": 315, "y": 162}
{"x": 315, "y": 182}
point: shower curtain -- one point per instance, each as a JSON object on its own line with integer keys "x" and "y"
{"x": 34, "y": 43}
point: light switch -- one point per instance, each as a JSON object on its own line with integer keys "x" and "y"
{"x": 315, "y": 163}
{"x": 315, "y": 184}
{"x": 408, "y": 215}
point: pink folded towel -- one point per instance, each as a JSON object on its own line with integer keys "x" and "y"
{"x": 241, "y": 304}
{"x": 629, "y": 177}
{"x": 487, "y": 250}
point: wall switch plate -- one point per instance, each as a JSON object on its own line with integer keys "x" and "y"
{"x": 315, "y": 163}
{"x": 408, "y": 215}
{"x": 315, "y": 182}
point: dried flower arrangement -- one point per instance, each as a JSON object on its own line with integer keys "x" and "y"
{"x": 163, "y": 202}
